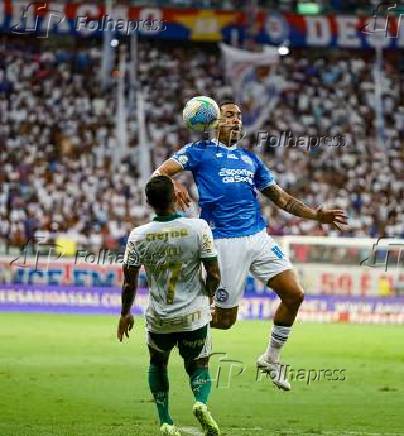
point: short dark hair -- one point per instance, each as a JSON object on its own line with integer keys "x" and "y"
{"x": 229, "y": 101}
{"x": 159, "y": 192}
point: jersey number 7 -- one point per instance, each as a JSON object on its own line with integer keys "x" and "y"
{"x": 174, "y": 271}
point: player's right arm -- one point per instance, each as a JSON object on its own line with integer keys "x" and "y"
{"x": 126, "y": 321}
{"x": 131, "y": 268}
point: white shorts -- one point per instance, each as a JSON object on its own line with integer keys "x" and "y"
{"x": 258, "y": 254}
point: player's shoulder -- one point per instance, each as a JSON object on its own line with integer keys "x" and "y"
{"x": 196, "y": 224}
{"x": 196, "y": 145}
{"x": 249, "y": 153}
{"x": 249, "y": 156}
{"x": 138, "y": 231}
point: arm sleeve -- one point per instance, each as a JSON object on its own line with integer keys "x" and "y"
{"x": 131, "y": 257}
{"x": 206, "y": 245}
{"x": 263, "y": 176}
{"x": 186, "y": 157}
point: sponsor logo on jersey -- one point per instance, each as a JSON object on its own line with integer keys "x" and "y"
{"x": 182, "y": 159}
{"x": 236, "y": 175}
{"x": 194, "y": 344}
{"x": 232, "y": 156}
{"x": 183, "y": 321}
{"x": 222, "y": 295}
{"x": 207, "y": 243}
{"x": 133, "y": 257}
{"x": 164, "y": 236}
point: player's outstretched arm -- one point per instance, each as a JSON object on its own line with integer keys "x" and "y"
{"x": 283, "y": 200}
{"x": 131, "y": 274}
{"x": 169, "y": 168}
{"x": 212, "y": 275}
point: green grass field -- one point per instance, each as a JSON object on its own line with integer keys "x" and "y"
{"x": 67, "y": 375}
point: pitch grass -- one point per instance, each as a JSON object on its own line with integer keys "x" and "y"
{"x": 67, "y": 375}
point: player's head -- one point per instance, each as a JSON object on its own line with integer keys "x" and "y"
{"x": 160, "y": 194}
{"x": 229, "y": 126}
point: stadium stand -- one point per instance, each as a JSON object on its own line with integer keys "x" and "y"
{"x": 331, "y": 6}
{"x": 57, "y": 139}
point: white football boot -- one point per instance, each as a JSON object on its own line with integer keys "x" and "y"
{"x": 275, "y": 370}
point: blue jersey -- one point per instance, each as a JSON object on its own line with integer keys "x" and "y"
{"x": 227, "y": 179}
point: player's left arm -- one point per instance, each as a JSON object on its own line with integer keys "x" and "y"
{"x": 285, "y": 201}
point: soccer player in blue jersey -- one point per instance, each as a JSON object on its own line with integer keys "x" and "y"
{"x": 228, "y": 179}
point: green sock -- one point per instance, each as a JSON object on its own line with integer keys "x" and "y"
{"x": 158, "y": 383}
{"x": 200, "y": 384}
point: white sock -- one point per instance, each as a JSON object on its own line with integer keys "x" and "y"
{"x": 279, "y": 336}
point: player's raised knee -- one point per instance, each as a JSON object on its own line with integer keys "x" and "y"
{"x": 300, "y": 295}
{"x": 295, "y": 297}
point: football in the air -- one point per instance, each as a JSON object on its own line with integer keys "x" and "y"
{"x": 201, "y": 113}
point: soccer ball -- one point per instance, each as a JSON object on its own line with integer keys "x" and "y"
{"x": 201, "y": 113}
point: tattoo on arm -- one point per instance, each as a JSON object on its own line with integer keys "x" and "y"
{"x": 296, "y": 207}
{"x": 273, "y": 192}
{"x": 128, "y": 288}
{"x": 289, "y": 203}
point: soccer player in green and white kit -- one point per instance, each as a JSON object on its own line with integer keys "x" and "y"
{"x": 172, "y": 250}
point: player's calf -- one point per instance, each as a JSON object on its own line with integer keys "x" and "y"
{"x": 200, "y": 382}
{"x": 291, "y": 294}
{"x": 199, "y": 378}
{"x": 159, "y": 387}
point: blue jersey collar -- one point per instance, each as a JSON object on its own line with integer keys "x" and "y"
{"x": 217, "y": 143}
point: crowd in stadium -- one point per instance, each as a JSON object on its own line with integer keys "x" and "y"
{"x": 57, "y": 140}
{"x": 283, "y": 5}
